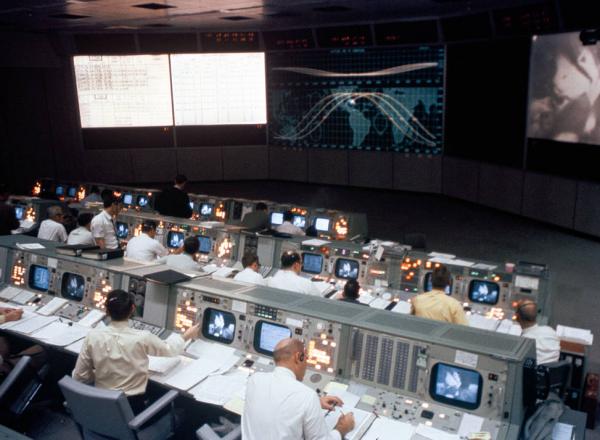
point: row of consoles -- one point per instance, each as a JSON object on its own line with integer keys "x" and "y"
{"x": 405, "y": 369}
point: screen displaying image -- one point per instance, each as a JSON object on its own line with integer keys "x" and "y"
{"x": 39, "y": 277}
{"x": 73, "y": 286}
{"x": 267, "y": 335}
{"x": 456, "y": 386}
{"x": 72, "y": 192}
{"x": 205, "y": 244}
{"x": 60, "y": 190}
{"x": 277, "y": 218}
{"x": 142, "y": 201}
{"x": 19, "y": 212}
{"x": 218, "y": 325}
{"x": 484, "y": 292}
{"x": 299, "y": 220}
{"x": 127, "y": 199}
{"x": 322, "y": 224}
{"x": 427, "y": 284}
{"x": 312, "y": 263}
{"x": 191, "y": 205}
{"x": 175, "y": 239}
{"x": 346, "y": 269}
{"x": 122, "y": 230}
{"x": 206, "y": 209}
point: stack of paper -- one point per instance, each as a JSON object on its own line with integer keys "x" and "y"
{"x": 210, "y": 350}
{"x": 362, "y": 421}
{"x": 479, "y": 321}
{"x": 573, "y": 334}
{"x": 24, "y": 317}
{"x": 469, "y": 424}
{"x": 198, "y": 370}
{"x": 162, "y": 365}
{"x": 562, "y": 431}
{"x": 32, "y": 325}
{"x": 10, "y": 292}
{"x": 24, "y": 297}
{"x": 92, "y": 318}
{"x": 52, "y": 307}
{"x": 434, "y": 433}
{"x": 61, "y": 334}
{"x": 379, "y": 303}
{"x": 508, "y": 326}
{"x": 388, "y": 429}
{"x": 403, "y": 307}
{"x": 218, "y": 390}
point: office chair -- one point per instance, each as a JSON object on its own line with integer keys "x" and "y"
{"x": 20, "y": 388}
{"x": 233, "y": 431}
{"x": 106, "y": 414}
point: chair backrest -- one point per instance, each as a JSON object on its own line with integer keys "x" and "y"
{"x": 105, "y": 413}
{"x": 19, "y": 387}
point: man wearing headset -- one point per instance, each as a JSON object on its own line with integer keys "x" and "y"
{"x": 288, "y": 278}
{"x": 547, "y": 344}
{"x": 279, "y": 406}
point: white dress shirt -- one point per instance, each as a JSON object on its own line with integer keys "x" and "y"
{"x": 547, "y": 344}
{"x": 288, "y": 228}
{"x": 81, "y": 235}
{"x": 116, "y": 357}
{"x": 249, "y": 276}
{"x": 145, "y": 248}
{"x": 279, "y": 407}
{"x": 181, "y": 261}
{"x": 53, "y": 231}
{"x": 104, "y": 228}
{"x": 289, "y": 280}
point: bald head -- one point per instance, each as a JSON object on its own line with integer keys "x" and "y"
{"x": 527, "y": 312}
{"x": 286, "y": 350}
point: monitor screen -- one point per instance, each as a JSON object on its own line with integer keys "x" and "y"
{"x": 206, "y": 209}
{"x": 299, "y": 220}
{"x": 205, "y": 244}
{"x": 60, "y": 190}
{"x": 312, "y": 263}
{"x": 127, "y": 199}
{"x": 322, "y": 224}
{"x": 73, "y": 286}
{"x": 267, "y": 335}
{"x": 72, "y": 191}
{"x": 456, "y": 386}
{"x": 218, "y": 325}
{"x": 142, "y": 201}
{"x": 484, "y": 292}
{"x": 19, "y": 212}
{"x": 276, "y": 218}
{"x": 427, "y": 284}
{"x": 346, "y": 269}
{"x": 39, "y": 277}
{"x": 122, "y": 230}
{"x": 191, "y": 205}
{"x": 175, "y": 239}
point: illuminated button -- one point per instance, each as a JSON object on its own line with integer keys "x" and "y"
{"x": 428, "y": 423}
{"x": 425, "y": 405}
{"x": 318, "y": 367}
{"x": 333, "y": 344}
{"x": 408, "y": 402}
{"x": 325, "y": 342}
{"x": 323, "y": 336}
{"x": 330, "y": 370}
{"x": 442, "y": 416}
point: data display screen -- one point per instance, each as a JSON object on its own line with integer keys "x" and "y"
{"x": 123, "y": 91}
{"x": 346, "y": 269}
{"x": 19, "y": 212}
{"x": 322, "y": 224}
{"x": 175, "y": 239}
{"x": 39, "y": 278}
{"x": 73, "y": 286}
{"x": 206, "y": 209}
{"x": 60, "y": 190}
{"x": 276, "y": 218}
{"x": 267, "y": 335}
{"x": 484, "y": 292}
{"x": 127, "y": 199}
{"x": 299, "y": 220}
{"x": 219, "y": 88}
{"x": 218, "y": 325}
{"x": 456, "y": 386}
{"x": 427, "y": 286}
{"x": 312, "y": 263}
{"x": 142, "y": 201}
{"x": 72, "y": 191}
{"x": 122, "y": 230}
{"x": 205, "y": 244}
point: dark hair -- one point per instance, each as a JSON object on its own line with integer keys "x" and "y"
{"x": 191, "y": 245}
{"x": 351, "y": 289}
{"x": 148, "y": 226}
{"x": 248, "y": 259}
{"x": 289, "y": 258}
{"x": 118, "y": 304}
{"x": 85, "y": 218}
{"x": 180, "y": 179}
{"x": 109, "y": 199}
{"x": 260, "y": 206}
{"x": 440, "y": 277}
{"x": 94, "y": 189}
{"x": 288, "y": 216}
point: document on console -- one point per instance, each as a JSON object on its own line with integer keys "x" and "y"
{"x": 218, "y": 390}
{"x": 199, "y": 370}
{"x": 61, "y": 334}
{"x": 34, "y": 324}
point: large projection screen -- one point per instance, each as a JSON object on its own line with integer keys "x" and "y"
{"x": 123, "y": 91}
{"x": 219, "y": 89}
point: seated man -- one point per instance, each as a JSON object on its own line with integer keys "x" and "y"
{"x": 116, "y": 357}
{"x": 279, "y": 406}
{"x": 547, "y": 344}
{"x": 52, "y": 228}
{"x": 83, "y": 234}
{"x": 351, "y": 293}
{"x": 144, "y": 247}
{"x": 435, "y": 304}
{"x": 250, "y": 273}
{"x": 183, "y": 258}
{"x": 287, "y": 227}
{"x": 258, "y": 219}
{"x": 12, "y": 349}
{"x": 288, "y": 278}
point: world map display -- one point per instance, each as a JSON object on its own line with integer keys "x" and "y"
{"x": 363, "y": 99}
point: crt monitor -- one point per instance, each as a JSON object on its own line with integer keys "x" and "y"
{"x": 175, "y": 239}
{"x": 456, "y": 386}
{"x": 60, "y": 190}
{"x": 205, "y": 244}
{"x": 312, "y": 263}
{"x": 299, "y": 220}
{"x": 39, "y": 278}
{"x": 19, "y": 212}
{"x": 322, "y": 224}
{"x": 127, "y": 199}
{"x": 72, "y": 191}
{"x": 142, "y": 201}
{"x": 122, "y": 230}
{"x": 267, "y": 335}
{"x": 427, "y": 286}
{"x": 484, "y": 292}
{"x": 206, "y": 209}
{"x": 276, "y": 218}
{"x": 218, "y": 325}
{"x": 346, "y": 269}
{"x": 72, "y": 286}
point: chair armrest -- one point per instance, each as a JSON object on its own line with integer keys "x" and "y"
{"x": 138, "y": 421}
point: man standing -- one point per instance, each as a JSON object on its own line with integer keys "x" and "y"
{"x": 103, "y": 226}
{"x": 258, "y": 219}
{"x": 174, "y": 201}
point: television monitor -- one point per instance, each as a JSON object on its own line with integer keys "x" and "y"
{"x": 127, "y": 199}
{"x": 346, "y": 269}
{"x": 72, "y": 191}
{"x": 19, "y": 212}
{"x": 206, "y": 208}
{"x": 322, "y": 224}
{"x": 122, "y": 230}
{"x": 276, "y": 218}
{"x": 191, "y": 205}
{"x": 484, "y": 292}
{"x": 60, "y": 190}
{"x": 175, "y": 239}
{"x": 142, "y": 201}
{"x": 39, "y": 278}
{"x": 299, "y": 220}
{"x": 267, "y": 335}
{"x": 218, "y": 325}
{"x": 312, "y": 263}
{"x": 205, "y": 244}
{"x": 72, "y": 286}
{"x": 427, "y": 284}
{"x": 456, "y": 386}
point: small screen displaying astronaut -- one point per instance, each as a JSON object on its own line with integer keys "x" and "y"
{"x": 484, "y": 292}
{"x": 346, "y": 269}
{"x": 427, "y": 286}
{"x": 299, "y": 220}
{"x": 142, "y": 201}
{"x": 564, "y": 89}
{"x": 122, "y": 230}
{"x": 73, "y": 286}
{"x": 218, "y": 326}
{"x": 206, "y": 209}
{"x": 175, "y": 239}
{"x": 456, "y": 386}
{"x": 19, "y": 212}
